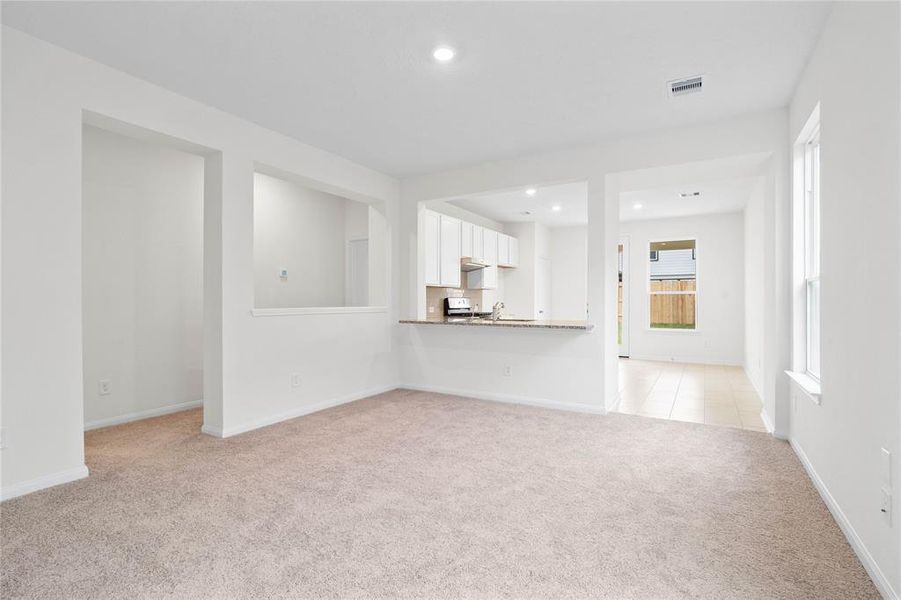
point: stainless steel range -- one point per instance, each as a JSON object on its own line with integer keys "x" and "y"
{"x": 458, "y": 307}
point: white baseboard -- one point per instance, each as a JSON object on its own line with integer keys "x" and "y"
{"x": 43, "y": 482}
{"x": 597, "y": 409}
{"x": 143, "y": 414}
{"x": 686, "y": 360}
{"x": 294, "y": 413}
{"x": 767, "y": 421}
{"x": 879, "y": 579}
{"x": 751, "y": 379}
{"x": 614, "y": 406}
{"x": 213, "y": 431}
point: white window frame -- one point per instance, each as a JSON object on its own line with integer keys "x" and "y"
{"x": 674, "y": 330}
{"x": 806, "y": 197}
{"x": 812, "y": 246}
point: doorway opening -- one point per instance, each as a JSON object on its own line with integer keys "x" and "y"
{"x": 690, "y": 292}
{"x": 142, "y": 276}
{"x": 622, "y": 298}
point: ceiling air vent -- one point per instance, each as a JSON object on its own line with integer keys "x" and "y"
{"x": 683, "y": 87}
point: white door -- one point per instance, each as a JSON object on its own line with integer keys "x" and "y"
{"x": 357, "y": 283}
{"x": 543, "y": 289}
{"x": 622, "y": 298}
{"x": 431, "y": 236}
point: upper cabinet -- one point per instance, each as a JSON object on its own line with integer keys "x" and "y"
{"x": 507, "y": 251}
{"x": 478, "y": 237}
{"x": 450, "y": 251}
{"x": 466, "y": 239}
{"x": 503, "y": 250}
{"x": 485, "y": 279}
{"x": 447, "y": 240}
{"x": 431, "y": 234}
{"x": 442, "y": 247}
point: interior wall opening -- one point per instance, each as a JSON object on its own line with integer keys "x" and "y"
{"x": 142, "y": 278}
{"x": 315, "y": 248}
{"x": 690, "y": 292}
{"x": 507, "y": 255}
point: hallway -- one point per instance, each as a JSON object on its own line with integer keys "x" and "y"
{"x": 709, "y": 394}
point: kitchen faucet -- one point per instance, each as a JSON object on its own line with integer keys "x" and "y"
{"x": 496, "y": 310}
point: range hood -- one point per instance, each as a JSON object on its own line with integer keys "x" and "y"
{"x": 471, "y": 264}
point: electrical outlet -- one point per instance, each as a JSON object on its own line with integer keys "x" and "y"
{"x": 508, "y": 371}
{"x": 431, "y": 309}
{"x": 104, "y": 387}
{"x": 296, "y": 380}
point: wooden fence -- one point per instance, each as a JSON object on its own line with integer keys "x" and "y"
{"x": 673, "y": 311}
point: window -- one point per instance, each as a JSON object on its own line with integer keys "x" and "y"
{"x": 672, "y": 285}
{"x": 812, "y": 253}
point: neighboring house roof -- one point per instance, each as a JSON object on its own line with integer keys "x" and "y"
{"x": 673, "y": 264}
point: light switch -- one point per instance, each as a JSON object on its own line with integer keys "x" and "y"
{"x": 283, "y": 274}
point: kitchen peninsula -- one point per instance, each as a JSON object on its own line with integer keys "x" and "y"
{"x": 520, "y": 323}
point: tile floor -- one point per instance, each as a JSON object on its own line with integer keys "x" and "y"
{"x": 711, "y": 394}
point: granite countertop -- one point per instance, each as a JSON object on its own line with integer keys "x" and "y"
{"x": 522, "y": 324}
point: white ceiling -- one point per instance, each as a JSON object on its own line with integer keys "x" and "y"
{"x": 724, "y": 186}
{"x": 509, "y": 206}
{"x": 721, "y": 196}
{"x": 358, "y": 79}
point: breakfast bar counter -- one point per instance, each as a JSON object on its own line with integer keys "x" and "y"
{"x": 502, "y": 322}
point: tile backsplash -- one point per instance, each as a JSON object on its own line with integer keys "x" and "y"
{"x": 481, "y": 300}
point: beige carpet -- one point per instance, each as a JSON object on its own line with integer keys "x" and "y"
{"x": 415, "y": 495}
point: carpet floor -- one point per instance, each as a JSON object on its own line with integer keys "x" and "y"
{"x": 416, "y": 495}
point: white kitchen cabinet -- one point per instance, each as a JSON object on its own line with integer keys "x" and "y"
{"x": 489, "y": 246}
{"x": 431, "y": 234}
{"x": 514, "y": 252}
{"x": 450, "y": 252}
{"x": 485, "y": 279}
{"x": 466, "y": 239}
{"x": 478, "y": 235}
{"x": 482, "y": 279}
{"x": 503, "y": 250}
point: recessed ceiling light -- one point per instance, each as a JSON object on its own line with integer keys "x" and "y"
{"x": 637, "y": 206}
{"x": 444, "y": 54}
{"x": 556, "y": 208}
{"x": 531, "y": 192}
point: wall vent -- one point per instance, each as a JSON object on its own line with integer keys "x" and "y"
{"x": 683, "y": 87}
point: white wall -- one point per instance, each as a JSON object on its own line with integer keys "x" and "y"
{"x": 577, "y": 370}
{"x": 568, "y": 253}
{"x": 143, "y": 276}
{"x": 248, "y": 361}
{"x": 719, "y": 338}
{"x": 452, "y": 210}
{"x": 854, "y": 76}
{"x": 305, "y": 231}
{"x": 755, "y": 253}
